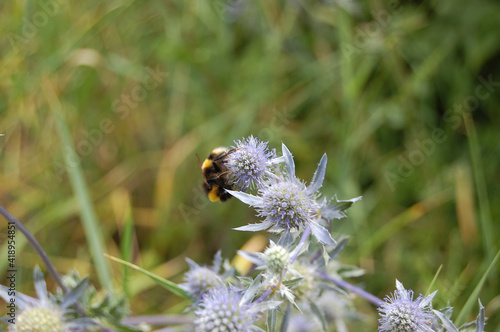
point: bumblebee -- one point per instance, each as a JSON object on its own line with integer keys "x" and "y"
{"x": 216, "y": 175}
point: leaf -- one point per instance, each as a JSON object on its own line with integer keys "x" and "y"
{"x": 322, "y": 234}
{"x": 246, "y": 281}
{"x": 192, "y": 264}
{"x": 272, "y": 320}
{"x": 40, "y": 285}
{"x": 474, "y": 295}
{"x": 252, "y": 257}
{"x": 289, "y": 164}
{"x": 90, "y": 222}
{"x": 74, "y": 294}
{"x": 428, "y": 299}
{"x": 248, "y": 199}
{"x": 255, "y": 227}
{"x": 447, "y": 323}
{"x": 286, "y": 319}
{"x": 22, "y": 301}
{"x": 217, "y": 262}
{"x": 316, "y": 311}
{"x": 252, "y": 290}
{"x": 265, "y": 306}
{"x": 169, "y": 285}
{"x": 338, "y": 247}
{"x": 127, "y": 245}
{"x": 319, "y": 176}
{"x": 291, "y": 283}
{"x": 342, "y": 205}
{"x": 480, "y": 318}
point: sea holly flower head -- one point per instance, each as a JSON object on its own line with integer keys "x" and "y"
{"x": 249, "y": 162}
{"x": 226, "y": 309}
{"x": 308, "y": 288}
{"x": 40, "y": 319}
{"x": 45, "y": 314}
{"x": 288, "y": 205}
{"x": 275, "y": 258}
{"x": 400, "y": 313}
{"x": 200, "y": 279}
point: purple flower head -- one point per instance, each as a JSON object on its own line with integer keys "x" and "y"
{"x": 46, "y": 313}
{"x": 200, "y": 279}
{"x": 221, "y": 311}
{"x": 249, "y": 162}
{"x": 224, "y": 309}
{"x": 400, "y": 313}
{"x": 288, "y": 205}
{"x": 275, "y": 259}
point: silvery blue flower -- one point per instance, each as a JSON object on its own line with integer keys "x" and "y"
{"x": 288, "y": 205}
{"x": 400, "y": 313}
{"x": 274, "y": 259}
{"x": 310, "y": 287}
{"x": 44, "y": 313}
{"x": 200, "y": 279}
{"x": 225, "y": 309}
{"x": 249, "y": 162}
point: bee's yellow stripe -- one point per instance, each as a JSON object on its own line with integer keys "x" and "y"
{"x": 212, "y": 194}
{"x": 206, "y": 164}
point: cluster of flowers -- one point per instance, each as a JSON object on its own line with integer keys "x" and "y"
{"x": 297, "y": 280}
{"x": 80, "y": 309}
{"x": 290, "y": 279}
{"x": 299, "y": 275}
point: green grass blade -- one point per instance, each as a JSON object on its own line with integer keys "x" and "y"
{"x": 482, "y": 193}
{"x": 474, "y": 296}
{"x": 173, "y": 287}
{"x": 89, "y": 219}
{"x": 429, "y": 290}
{"x": 126, "y": 246}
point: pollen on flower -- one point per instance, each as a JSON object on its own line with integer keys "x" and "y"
{"x": 200, "y": 280}
{"x": 277, "y": 258}
{"x": 221, "y": 310}
{"x": 39, "y": 319}
{"x": 248, "y": 162}
{"x": 287, "y": 205}
{"x": 399, "y": 313}
{"x": 306, "y": 289}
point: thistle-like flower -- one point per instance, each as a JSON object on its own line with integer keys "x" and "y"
{"x": 309, "y": 288}
{"x": 277, "y": 258}
{"x": 200, "y": 279}
{"x": 224, "y": 309}
{"x": 45, "y": 314}
{"x": 274, "y": 259}
{"x": 288, "y": 205}
{"x": 249, "y": 163}
{"x": 400, "y": 313}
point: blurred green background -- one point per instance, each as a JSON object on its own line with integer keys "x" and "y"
{"x": 403, "y": 96}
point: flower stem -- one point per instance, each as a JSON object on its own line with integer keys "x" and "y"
{"x": 302, "y": 242}
{"x": 350, "y": 287}
{"x": 43, "y": 255}
{"x": 36, "y": 246}
{"x": 263, "y": 296}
